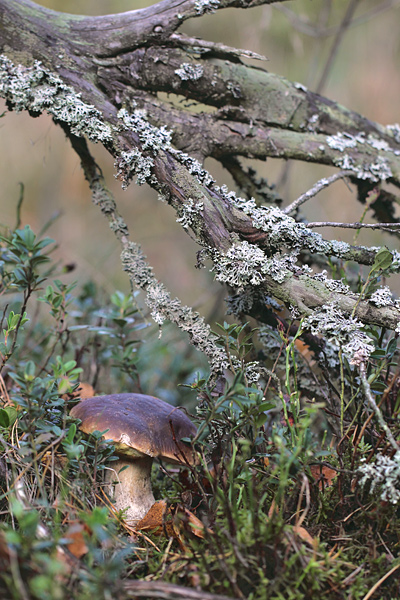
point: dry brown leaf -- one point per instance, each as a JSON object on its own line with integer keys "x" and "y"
{"x": 191, "y": 522}
{"x": 272, "y": 509}
{"x": 75, "y": 533}
{"x": 304, "y": 535}
{"x": 323, "y": 475}
{"x": 154, "y": 518}
{"x": 172, "y": 522}
{"x": 85, "y": 390}
{"x": 305, "y": 351}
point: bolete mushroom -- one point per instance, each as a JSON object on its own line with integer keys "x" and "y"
{"x": 142, "y": 428}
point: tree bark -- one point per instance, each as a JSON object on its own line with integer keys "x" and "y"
{"x": 99, "y": 77}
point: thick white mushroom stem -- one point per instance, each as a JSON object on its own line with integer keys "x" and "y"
{"x": 131, "y": 488}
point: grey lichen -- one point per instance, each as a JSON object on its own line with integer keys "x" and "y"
{"x": 246, "y": 264}
{"x": 188, "y": 212}
{"x": 163, "y": 307}
{"x": 38, "y": 90}
{"x": 283, "y": 230}
{"x": 383, "y": 475}
{"x": 132, "y": 163}
{"x": 312, "y": 122}
{"x": 244, "y": 300}
{"x": 394, "y": 131}
{"x": 334, "y": 285}
{"x": 153, "y": 139}
{"x": 193, "y": 166}
{"x": 382, "y": 297}
{"x": 189, "y": 72}
{"x": 378, "y": 169}
{"x": 345, "y": 331}
{"x": 206, "y": 6}
{"x": 234, "y": 88}
{"x": 242, "y": 264}
{"x": 341, "y": 141}
{"x": 300, "y": 86}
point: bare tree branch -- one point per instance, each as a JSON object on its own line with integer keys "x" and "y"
{"x": 99, "y": 78}
{"x": 166, "y": 591}
{"x": 391, "y": 227}
{"x": 320, "y": 185}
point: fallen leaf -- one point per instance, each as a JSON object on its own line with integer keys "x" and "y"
{"x": 190, "y": 522}
{"x": 154, "y": 518}
{"x": 272, "y": 509}
{"x": 85, "y": 390}
{"x": 323, "y": 475}
{"x": 173, "y": 522}
{"x": 304, "y": 535}
{"x": 75, "y": 533}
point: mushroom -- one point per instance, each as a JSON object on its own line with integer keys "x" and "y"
{"x": 142, "y": 428}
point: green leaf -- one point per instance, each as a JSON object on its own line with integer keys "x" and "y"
{"x": 383, "y": 259}
{"x": 12, "y": 414}
{"x": 30, "y": 368}
{"x": 71, "y": 433}
{"x": 4, "y": 419}
{"x": 260, "y": 420}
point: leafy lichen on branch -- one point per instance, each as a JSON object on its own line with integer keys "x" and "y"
{"x": 243, "y": 264}
{"x": 342, "y": 330}
{"x": 37, "y": 90}
{"x": 189, "y": 72}
{"x": 246, "y": 264}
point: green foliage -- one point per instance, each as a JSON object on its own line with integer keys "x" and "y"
{"x": 271, "y": 490}
{"x": 51, "y": 476}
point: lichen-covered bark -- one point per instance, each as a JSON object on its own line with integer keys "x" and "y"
{"x": 99, "y": 78}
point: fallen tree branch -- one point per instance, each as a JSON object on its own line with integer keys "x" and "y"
{"x": 167, "y": 591}
{"x": 258, "y": 114}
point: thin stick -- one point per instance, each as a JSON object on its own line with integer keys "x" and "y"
{"x": 378, "y": 583}
{"x": 167, "y": 591}
{"x": 184, "y": 40}
{"x": 306, "y": 26}
{"x": 320, "y": 185}
{"x": 392, "y": 227}
{"x": 344, "y": 25}
{"x": 375, "y": 407}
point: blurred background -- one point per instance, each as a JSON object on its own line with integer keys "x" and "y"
{"x": 297, "y": 37}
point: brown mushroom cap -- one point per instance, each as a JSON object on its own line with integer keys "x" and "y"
{"x": 139, "y": 425}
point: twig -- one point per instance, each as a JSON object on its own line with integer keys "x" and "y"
{"x": 392, "y": 227}
{"x": 304, "y": 25}
{"x": 141, "y": 274}
{"x": 184, "y": 40}
{"x": 320, "y": 185}
{"x": 336, "y": 43}
{"x": 167, "y": 591}
{"x": 378, "y": 583}
{"x": 305, "y": 488}
{"x": 19, "y": 204}
{"x": 375, "y": 407}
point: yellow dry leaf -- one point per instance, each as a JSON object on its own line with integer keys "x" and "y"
{"x": 323, "y": 475}
{"x": 304, "y": 535}
{"x": 76, "y": 544}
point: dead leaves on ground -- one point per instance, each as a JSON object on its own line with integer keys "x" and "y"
{"x": 323, "y": 475}
{"x": 175, "y": 522}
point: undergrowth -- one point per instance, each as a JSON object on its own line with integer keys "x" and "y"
{"x": 289, "y": 499}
